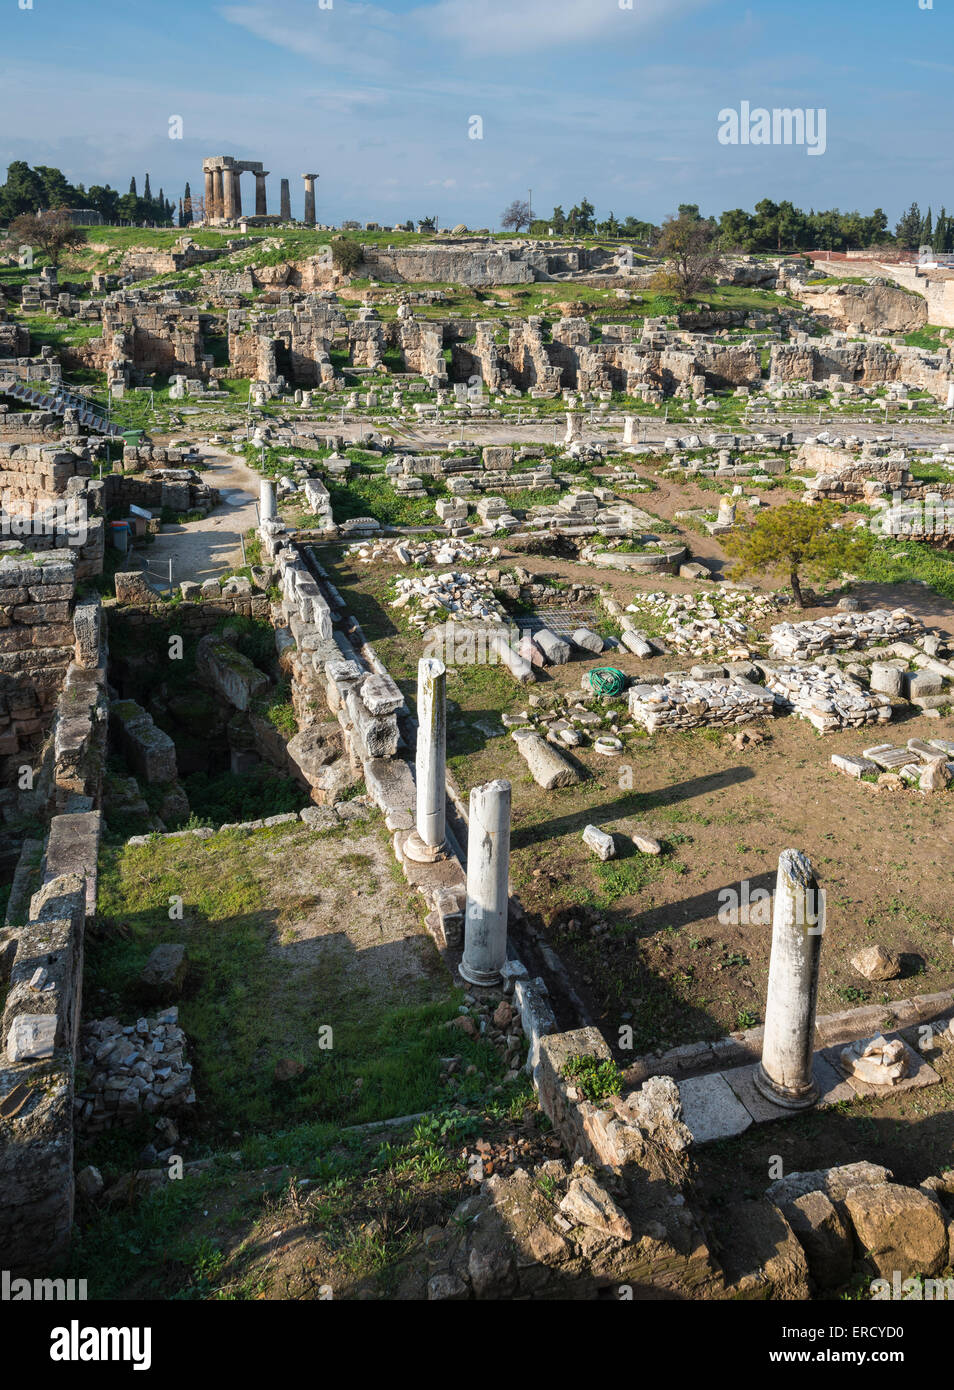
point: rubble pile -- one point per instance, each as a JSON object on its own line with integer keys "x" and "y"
{"x": 826, "y": 698}
{"x": 134, "y": 1070}
{"x": 923, "y": 763}
{"x": 802, "y": 641}
{"x": 693, "y": 704}
{"x": 406, "y": 552}
{"x": 463, "y": 596}
{"x": 706, "y": 625}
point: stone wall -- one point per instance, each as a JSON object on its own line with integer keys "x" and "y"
{"x": 866, "y": 364}
{"x": 39, "y": 1031}
{"x": 37, "y": 644}
{"x": 880, "y": 308}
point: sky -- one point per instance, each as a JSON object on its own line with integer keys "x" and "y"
{"x": 618, "y": 101}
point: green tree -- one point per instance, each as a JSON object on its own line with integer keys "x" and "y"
{"x": 50, "y": 230}
{"x": 737, "y": 230}
{"x": 58, "y": 192}
{"x": 908, "y": 230}
{"x": 105, "y": 201}
{"x": 800, "y": 540}
{"x": 558, "y": 220}
{"x": 22, "y": 192}
{"x": 690, "y": 248}
{"x": 346, "y": 255}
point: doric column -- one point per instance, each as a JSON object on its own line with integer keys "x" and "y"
{"x": 218, "y": 199}
{"x": 266, "y": 504}
{"x": 426, "y": 842}
{"x": 784, "y": 1075}
{"x": 236, "y": 193}
{"x": 228, "y": 194}
{"x": 209, "y": 194}
{"x": 285, "y": 210}
{"x": 309, "y": 199}
{"x": 488, "y": 874}
{"x": 261, "y": 199}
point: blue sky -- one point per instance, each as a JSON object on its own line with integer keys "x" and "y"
{"x": 576, "y": 97}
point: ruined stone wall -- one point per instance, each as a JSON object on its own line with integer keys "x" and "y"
{"x": 146, "y": 339}
{"x": 38, "y": 1034}
{"x": 867, "y": 364}
{"x": 866, "y": 308}
{"x": 180, "y": 489}
{"x": 293, "y": 343}
{"x": 37, "y": 643}
{"x": 456, "y": 265}
{"x": 41, "y": 470}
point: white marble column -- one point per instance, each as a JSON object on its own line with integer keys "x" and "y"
{"x": 488, "y": 878}
{"x": 784, "y": 1075}
{"x": 431, "y": 750}
{"x": 266, "y": 503}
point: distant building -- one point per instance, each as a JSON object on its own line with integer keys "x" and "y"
{"x": 85, "y": 217}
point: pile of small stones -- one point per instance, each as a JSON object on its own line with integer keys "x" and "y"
{"x": 802, "y": 641}
{"x": 693, "y": 704}
{"x": 704, "y": 625}
{"x": 828, "y": 699}
{"x": 406, "y": 552}
{"x": 456, "y": 594}
{"x": 569, "y": 722}
{"x": 135, "y": 1069}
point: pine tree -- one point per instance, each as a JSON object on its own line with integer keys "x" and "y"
{"x": 927, "y": 229}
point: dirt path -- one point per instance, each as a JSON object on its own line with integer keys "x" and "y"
{"x": 211, "y": 547}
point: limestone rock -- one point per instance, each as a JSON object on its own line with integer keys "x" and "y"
{"x": 599, "y": 842}
{"x": 588, "y": 1204}
{"x": 876, "y": 1061}
{"x": 761, "y": 1255}
{"x": 834, "y": 1182}
{"x": 588, "y": 640}
{"x": 646, "y": 844}
{"x": 31, "y": 1037}
{"x": 935, "y": 776}
{"x": 228, "y": 672}
{"x": 824, "y": 1235}
{"x": 875, "y": 963}
{"x": 164, "y": 973}
{"x": 89, "y": 1182}
{"x": 899, "y": 1228}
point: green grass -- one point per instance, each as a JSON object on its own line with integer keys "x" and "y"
{"x": 594, "y": 1080}
{"x": 927, "y": 337}
{"x": 898, "y": 562}
{"x": 228, "y": 797}
{"x": 385, "y": 1060}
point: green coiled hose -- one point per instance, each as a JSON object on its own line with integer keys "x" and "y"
{"x": 607, "y": 680}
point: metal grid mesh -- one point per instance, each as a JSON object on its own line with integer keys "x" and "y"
{"x": 562, "y": 622}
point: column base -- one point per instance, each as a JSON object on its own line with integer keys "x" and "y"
{"x": 486, "y": 978}
{"x": 789, "y": 1098}
{"x": 418, "y": 852}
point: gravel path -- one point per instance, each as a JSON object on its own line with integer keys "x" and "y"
{"x": 211, "y": 547}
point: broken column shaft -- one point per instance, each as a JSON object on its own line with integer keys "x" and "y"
{"x": 784, "y": 1075}
{"x": 488, "y": 878}
{"x": 309, "y": 199}
{"x": 261, "y": 195}
{"x": 431, "y": 751}
{"x": 266, "y": 504}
